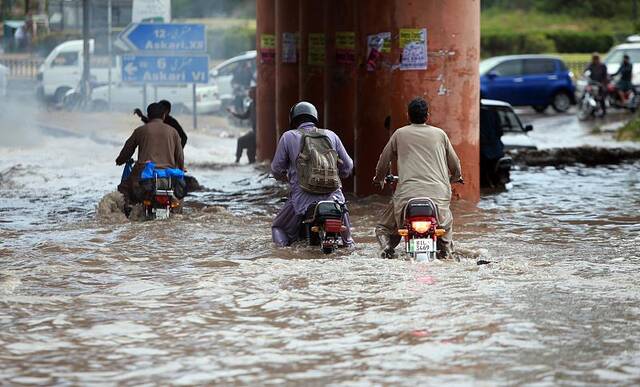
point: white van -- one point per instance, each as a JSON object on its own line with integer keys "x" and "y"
{"x": 62, "y": 69}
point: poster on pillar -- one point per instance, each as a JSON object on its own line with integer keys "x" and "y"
{"x": 289, "y": 47}
{"x": 413, "y": 42}
{"x": 377, "y": 45}
{"x": 346, "y": 47}
{"x": 316, "y": 49}
{"x": 267, "y": 48}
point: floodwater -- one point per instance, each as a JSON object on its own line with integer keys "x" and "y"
{"x": 204, "y": 298}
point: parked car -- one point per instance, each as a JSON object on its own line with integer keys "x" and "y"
{"x": 613, "y": 59}
{"x": 528, "y": 80}
{"x": 127, "y": 97}
{"x": 61, "y": 71}
{"x": 514, "y": 133}
{"x": 222, "y": 74}
{"x": 4, "y": 75}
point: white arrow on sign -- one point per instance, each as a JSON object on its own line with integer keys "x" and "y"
{"x": 130, "y": 69}
{"x": 123, "y": 42}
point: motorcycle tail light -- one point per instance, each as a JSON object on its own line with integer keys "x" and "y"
{"x": 421, "y": 227}
{"x": 333, "y": 225}
{"x": 164, "y": 200}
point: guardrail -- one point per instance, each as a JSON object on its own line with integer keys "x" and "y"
{"x": 21, "y": 66}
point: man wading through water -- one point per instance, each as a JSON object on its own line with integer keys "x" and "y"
{"x": 156, "y": 142}
{"x": 287, "y": 166}
{"x": 427, "y": 164}
{"x": 248, "y": 140}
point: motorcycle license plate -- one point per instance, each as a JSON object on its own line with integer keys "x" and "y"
{"x": 162, "y": 213}
{"x": 421, "y": 246}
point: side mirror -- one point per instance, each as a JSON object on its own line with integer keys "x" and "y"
{"x": 492, "y": 75}
{"x": 528, "y": 128}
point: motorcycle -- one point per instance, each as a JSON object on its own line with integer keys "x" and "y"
{"x": 161, "y": 189}
{"x": 420, "y": 231}
{"x": 591, "y": 102}
{"x": 632, "y": 100}
{"x": 323, "y": 225}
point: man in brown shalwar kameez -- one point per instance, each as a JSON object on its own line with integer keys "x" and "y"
{"x": 427, "y": 164}
{"x": 156, "y": 142}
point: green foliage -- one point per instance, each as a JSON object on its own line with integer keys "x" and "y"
{"x": 206, "y": 8}
{"x": 228, "y": 42}
{"x": 503, "y": 43}
{"x": 630, "y": 131}
{"x": 604, "y": 9}
{"x": 570, "y": 41}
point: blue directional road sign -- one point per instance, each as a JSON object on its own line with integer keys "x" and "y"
{"x": 165, "y": 37}
{"x": 165, "y": 69}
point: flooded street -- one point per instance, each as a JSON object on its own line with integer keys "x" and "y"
{"x": 205, "y": 298}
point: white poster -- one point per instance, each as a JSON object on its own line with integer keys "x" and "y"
{"x": 157, "y": 11}
{"x": 413, "y": 42}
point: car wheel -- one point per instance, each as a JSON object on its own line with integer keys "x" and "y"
{"x": 539, "y": 108}
{"x": 561, "y": 102}
{"x": 58, "y": 96}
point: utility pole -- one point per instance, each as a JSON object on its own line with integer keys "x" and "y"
{"x": 109, "y": 47}
{"x": 86, "y": 47}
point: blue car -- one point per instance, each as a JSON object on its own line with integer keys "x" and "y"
{"x": 528, "y": 80}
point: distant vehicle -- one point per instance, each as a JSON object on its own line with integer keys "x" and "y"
{"x": 222, "y": 74}
{"x": 613, "y": 60}
{"x": 4, "y": 75}
{"x": 528, "y": 80}
{"x": 127, "y": 97}
{"x": 61, "y": 71}
{"x": 514, "y": 133}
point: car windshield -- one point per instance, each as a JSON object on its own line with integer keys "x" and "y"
{"x": 615, "y": 56}
{"x": 487, "y": 64}
{"x": 509, "y": 121}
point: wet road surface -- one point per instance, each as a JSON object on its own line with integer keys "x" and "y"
{"x": 204, "y": 298}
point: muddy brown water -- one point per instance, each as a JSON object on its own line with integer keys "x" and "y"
{"x": 204, "y": 298}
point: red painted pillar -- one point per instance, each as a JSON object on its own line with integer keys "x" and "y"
{"x": 374, "y": 18}
{"x": 312, "y": 53}
{"x": 266, "y": 134}
{"x": 341, "y": 73}
{"x": 287, "y": 59}
{"x": 450, "y": 83}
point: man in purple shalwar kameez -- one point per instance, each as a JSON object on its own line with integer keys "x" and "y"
{"x": 286, "y": 225}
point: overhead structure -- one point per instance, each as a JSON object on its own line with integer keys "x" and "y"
{"x": 361, "y": 62}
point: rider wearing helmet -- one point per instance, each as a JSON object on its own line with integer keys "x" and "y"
{"x": 303, "y": 118}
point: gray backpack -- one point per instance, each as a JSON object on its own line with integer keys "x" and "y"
{"x": 317, "y": 163}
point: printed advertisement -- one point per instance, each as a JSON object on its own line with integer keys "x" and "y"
{"x": 268, "y": 48}
{"x": 289, "y": 47}
{"x": 316, "y": 49}
{"x": 413, "y": 42}
{"x": 377, "y": 45}
{"x": 345, "y": 47}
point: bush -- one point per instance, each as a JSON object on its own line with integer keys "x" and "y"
{"x": 569, "y": 41}
{"x": 503, "y": 43}
{"x": 228, "y": 42}
{"x": 506, "y": 42}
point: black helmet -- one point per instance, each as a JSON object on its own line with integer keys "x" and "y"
{"x": 303, "y": 110}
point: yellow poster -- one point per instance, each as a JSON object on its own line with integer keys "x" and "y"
{"x": 346, "y": 40}
{"x": 268, "y": 41}
{"x": 408, "y": 35}
{"x": 316, "y": 49}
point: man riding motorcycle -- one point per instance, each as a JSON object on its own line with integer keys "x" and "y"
{"x": 624, "y": 84}
{"x": 427, "y": 164}
{"x": 598, "y": 74}
{"x": 303, "y": 121}
{"x": 156, "y": 142}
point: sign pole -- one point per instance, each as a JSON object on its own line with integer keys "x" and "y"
{"x": 144, "y": 97}
{"x": 195, "y": 112}
{"x": 109, "y": 48}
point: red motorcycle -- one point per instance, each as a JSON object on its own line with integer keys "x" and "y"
{"x": 420, "y": 231}
{"x": 631, "y": 99}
